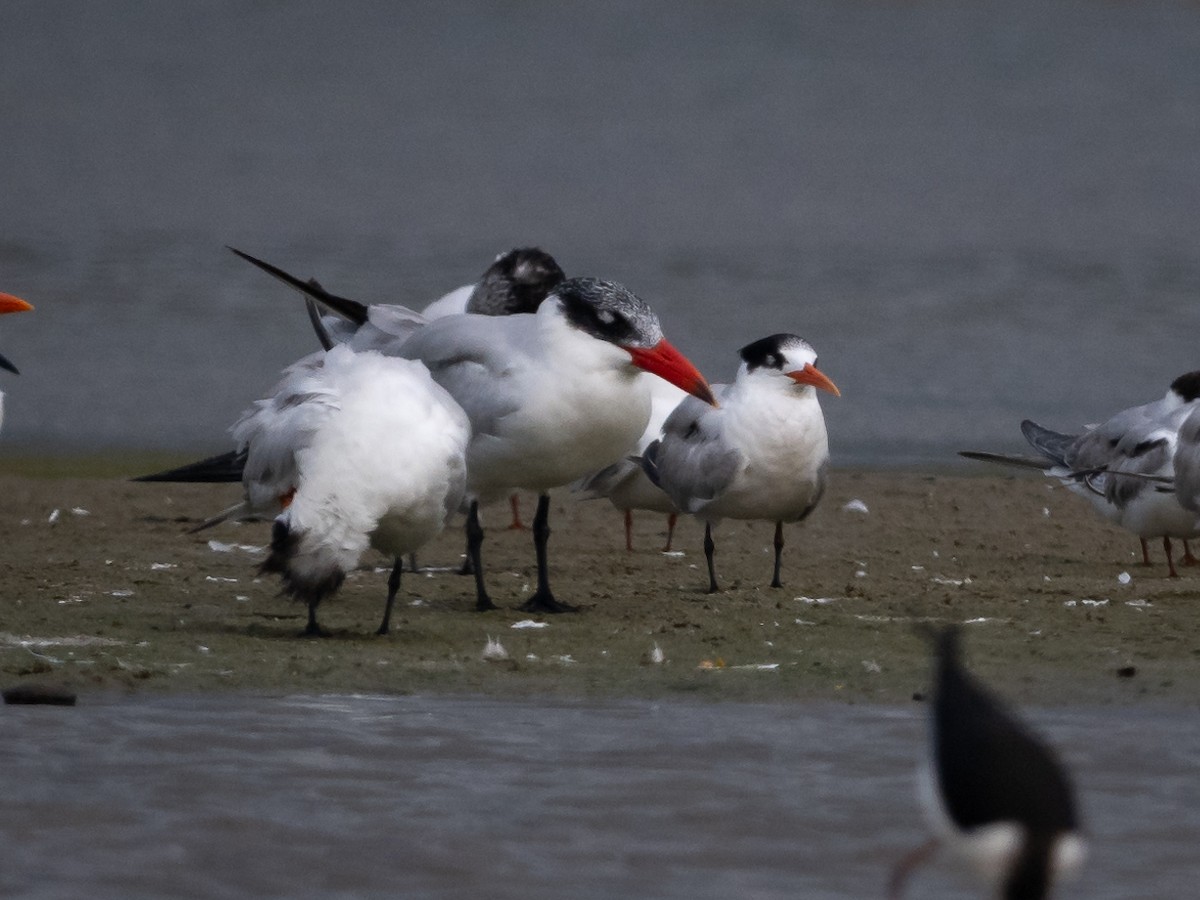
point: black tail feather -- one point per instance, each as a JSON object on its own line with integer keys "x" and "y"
{"x": 220, "y": 469}
{"x": 353, "y": 310}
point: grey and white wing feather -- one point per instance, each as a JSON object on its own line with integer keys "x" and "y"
{"x": 274, "y": 431}
{"x": 1187, "y": 463}
{"x": 691, "y": 462}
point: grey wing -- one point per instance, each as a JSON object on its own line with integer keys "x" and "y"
{"x": 691, "y": 462}
{"x": 387, "y": 329}
{"x": 1054, "y": 445}
{"x": 1138, "y": 457}
{"x": 475, "y": 358}
{"x": 1116, "y": 440}
{"x": 603, "y": 482}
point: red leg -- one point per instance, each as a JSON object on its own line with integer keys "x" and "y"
{"x": 671, "y": 520}
{"x": 1145, "y": 553}
{"x": 1170, "y": 562}
{"x": 516, "y": 524}
{"x": 1188, "y": 559}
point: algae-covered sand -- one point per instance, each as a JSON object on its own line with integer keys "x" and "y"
{"x": 103, "y": 589}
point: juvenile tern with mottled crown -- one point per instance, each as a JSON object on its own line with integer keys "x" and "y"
{"x": 1123, "y": 466}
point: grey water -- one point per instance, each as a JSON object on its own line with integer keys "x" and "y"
{"x": 369, "y": 796}
{"x": 975, "y": 212}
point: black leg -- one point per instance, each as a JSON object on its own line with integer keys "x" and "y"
{"x": 474, "y": 557}
{"x": 312, "y": 629}
{"x": 1170, "y": 557}
{"x": 465, "y": 568}
{"x": 393, "y": 589}
{"x": 543, "y": 599}
{"x": 775, "y": 582}
{"x": 709, "y": 547}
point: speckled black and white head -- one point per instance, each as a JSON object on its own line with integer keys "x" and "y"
{"x": 787, "y": 355}
{"x": 1187, "y": 387}
{"x": 517, "y": 282}
{"x": 612, "y": 313}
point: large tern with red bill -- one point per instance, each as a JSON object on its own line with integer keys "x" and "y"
{"x": 551, "y": 396}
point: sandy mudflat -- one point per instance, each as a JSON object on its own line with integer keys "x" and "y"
{"x": 110, "y": 593}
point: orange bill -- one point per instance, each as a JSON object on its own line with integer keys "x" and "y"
{"x": 810, "y": 374}
{"x": 11, "y": 304}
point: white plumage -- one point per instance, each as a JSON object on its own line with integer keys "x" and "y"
{"x": 762, "y": 454}
{"x": 354, "y": 450}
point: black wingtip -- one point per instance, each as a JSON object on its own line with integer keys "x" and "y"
{"x": 649, "y": 462}
{"x": 351, "y": 309}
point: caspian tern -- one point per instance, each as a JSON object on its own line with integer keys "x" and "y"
{"x": 10, "y": 304}
{"x": 1122, "y": 466}
{"x": 762, "y": 454}
{"x": 517, "y": 281}
{"x": 624, "y": 483}
{"x": 993, "y": 792}
{"x": 353, "y": 450}
{"x": 551, "y": 395}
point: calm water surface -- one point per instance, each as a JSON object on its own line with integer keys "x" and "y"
{"x": 363, "y": 796}
{"x": 975, "y": 212}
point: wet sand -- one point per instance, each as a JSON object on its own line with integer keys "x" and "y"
{"x": 103, "y": 590}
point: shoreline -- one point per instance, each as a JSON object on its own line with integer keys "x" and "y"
{"x": 114, "y": 596}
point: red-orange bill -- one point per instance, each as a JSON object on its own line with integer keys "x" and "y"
{"x": 669, "y": 364}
